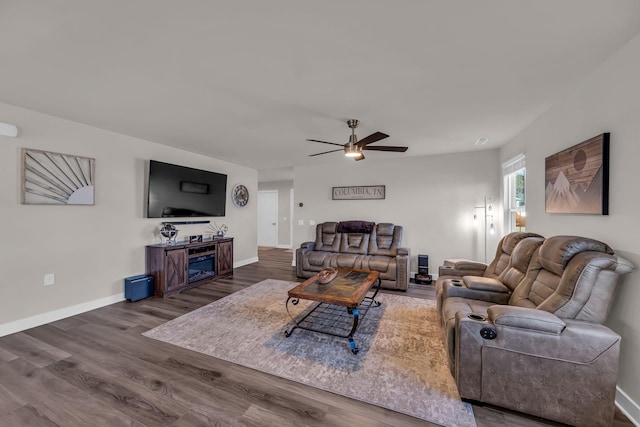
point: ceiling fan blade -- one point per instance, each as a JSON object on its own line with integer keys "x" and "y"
{"x": 325, "y": 142}
{"x": 325, "y": 152}
{"x": 386, "y": 148}
{"x": 377, "y": 136}
{"x": 360, "y": 157}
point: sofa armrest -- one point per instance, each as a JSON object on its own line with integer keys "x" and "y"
{"x": 488, "y": 284}
{"x": 580, "y": 343}
{"x": 458, "y": 288}
{"x": 461, "y": 267}
{"x": 403, "y": 268}
{"x": 308, "y": 246}
{"x": 305, "y": 247}
{"x": 526, "y": 318}
{"x": 464, "y": 264}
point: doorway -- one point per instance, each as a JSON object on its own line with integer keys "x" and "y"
{"x": 268, "y": 218}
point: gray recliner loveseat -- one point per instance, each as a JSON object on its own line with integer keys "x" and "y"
{"x": 544, "y": 351}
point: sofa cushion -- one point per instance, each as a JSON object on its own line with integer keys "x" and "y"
{"x": 556, "y": 253}
{"x": 349, "y": 260}
{"x": 327, "y": 237}
{"x": 354, "y": 243}
{"x": 319, "y": 258}
{"x": 503, "y": 252}
{"x": 385, "y": 239}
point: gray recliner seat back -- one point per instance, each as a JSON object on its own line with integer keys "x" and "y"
{"x": 503, "y": 252}
{"x": 571, "y": 277}
{"x": 385, "y": 239}
{"x": 327, "y": 237}
{"x": 520, "y": 259}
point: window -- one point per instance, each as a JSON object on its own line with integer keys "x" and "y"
{"x": 514, "y": 194}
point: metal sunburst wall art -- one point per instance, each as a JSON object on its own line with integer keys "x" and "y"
{"x": 56, "y": 179}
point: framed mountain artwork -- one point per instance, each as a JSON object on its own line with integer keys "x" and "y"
{"x": 577, "y": 179}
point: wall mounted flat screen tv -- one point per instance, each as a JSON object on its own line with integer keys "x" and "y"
{"x": 179, "y": 191}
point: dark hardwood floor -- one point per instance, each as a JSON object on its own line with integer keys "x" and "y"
{"x": 96, "y": 369}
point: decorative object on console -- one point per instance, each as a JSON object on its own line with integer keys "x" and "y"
{"x": 240, "y": 195}
{"x": 327, "y": 275}
{"x": 170, "y": 232}
{"x": 218, "y": 231}
{"x": 56, "y": 179}
{"x": 577, "y": 179}
{"x": 195, "y": 238}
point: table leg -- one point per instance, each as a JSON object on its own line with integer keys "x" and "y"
{"x": 373, "y": 298}
{"x": 352, "y": 343}
{"x": 294, "y": 301}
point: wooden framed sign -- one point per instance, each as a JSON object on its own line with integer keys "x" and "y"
{"x": 361, "y": 192}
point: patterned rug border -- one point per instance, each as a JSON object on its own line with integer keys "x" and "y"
{"x": 408, "y": 371}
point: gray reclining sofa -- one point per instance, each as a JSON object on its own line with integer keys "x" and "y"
{"x": 360, "y": 245}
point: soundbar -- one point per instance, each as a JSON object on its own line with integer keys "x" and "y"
{"x": 186, "y": 222}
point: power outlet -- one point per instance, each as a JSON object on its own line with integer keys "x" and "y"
{"x": 49, "y": 279}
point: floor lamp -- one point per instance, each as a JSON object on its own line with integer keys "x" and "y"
{"x": 487, "y": 211}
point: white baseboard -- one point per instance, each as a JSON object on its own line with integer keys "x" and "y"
{"x": 627, "y": 406}
{"x": 245, "y": 262}
{"x": 55, "y": 315}
{"x": 283, "y": 246}
{"x": 62, "y": 313}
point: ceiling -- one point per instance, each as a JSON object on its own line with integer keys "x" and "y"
{"x": 247, "y": 81}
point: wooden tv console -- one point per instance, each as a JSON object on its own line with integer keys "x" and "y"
{"x": 169, "y": 263}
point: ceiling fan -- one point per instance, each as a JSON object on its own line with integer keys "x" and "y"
{"x": 354, "y": 148}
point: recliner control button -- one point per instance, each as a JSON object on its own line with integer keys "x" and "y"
{"x": 488, "y": 333}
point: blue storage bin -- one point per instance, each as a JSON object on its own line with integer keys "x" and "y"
{"x": 138, "y": 287}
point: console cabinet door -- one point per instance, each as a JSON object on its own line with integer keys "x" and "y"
{"x": 225, "y": 258}
{"x": 175, "y": 270}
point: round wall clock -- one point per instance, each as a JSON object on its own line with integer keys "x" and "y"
{"x": 240, "y": 195}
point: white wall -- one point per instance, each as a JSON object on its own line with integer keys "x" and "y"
{"x": 90, "y": 249}
{"x": 432, "y": 197}
{"x": 607, "y": 101}
{"x": 284, "y": 207}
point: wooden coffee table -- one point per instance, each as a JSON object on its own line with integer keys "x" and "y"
{"x": 341, "y": 303}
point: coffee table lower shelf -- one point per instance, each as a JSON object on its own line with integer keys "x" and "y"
{"x": 330, "y": 319}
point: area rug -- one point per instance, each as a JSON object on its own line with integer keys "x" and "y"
{"x": 401, "y": 364}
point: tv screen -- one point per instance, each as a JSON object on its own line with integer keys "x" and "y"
{"x": 179, "y": 191}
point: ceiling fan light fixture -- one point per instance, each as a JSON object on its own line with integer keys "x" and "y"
{"x": 351, "y": 150}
